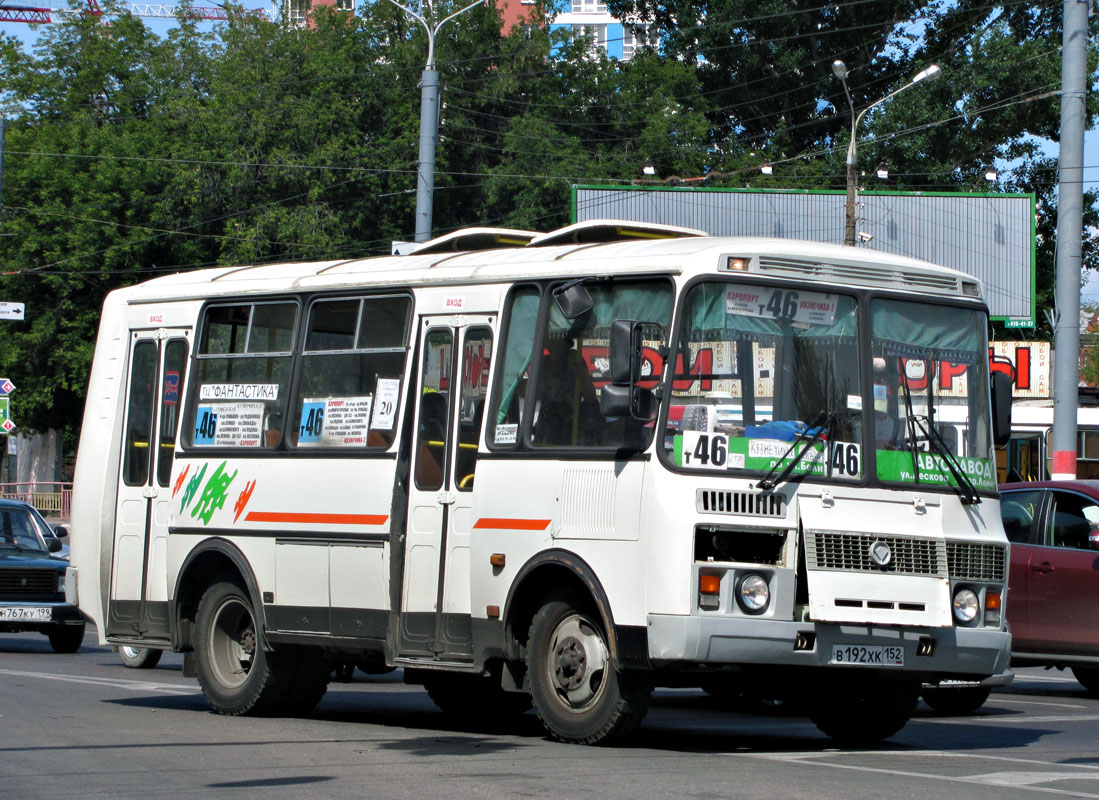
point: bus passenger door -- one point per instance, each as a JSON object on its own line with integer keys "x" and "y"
{"x": 435, "y": 599}
{"x": 138, "y": 607}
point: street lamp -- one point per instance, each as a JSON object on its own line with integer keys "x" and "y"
{"x": 429, "y": 123}
{"x": 839, "y": 69}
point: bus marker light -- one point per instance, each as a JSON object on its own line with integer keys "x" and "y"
{"x": 497, "y": 559}
{"x": 492, "y": 612}
{"x": 709, "y": 584}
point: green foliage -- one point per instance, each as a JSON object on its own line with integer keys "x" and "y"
{"x": 128, "y": 156}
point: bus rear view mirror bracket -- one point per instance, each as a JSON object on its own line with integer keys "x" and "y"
{"x": 573, "y": 299}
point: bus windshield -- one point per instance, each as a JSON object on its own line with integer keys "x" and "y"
{"x": 763, "y": 373}
{"x": 930, "y": 369}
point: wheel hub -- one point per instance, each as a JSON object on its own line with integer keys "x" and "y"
{"x": 571, "y": 664}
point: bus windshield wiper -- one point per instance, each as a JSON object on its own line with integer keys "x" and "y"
{"x": 810, "y": 436}
{"x": 965, "y": 488}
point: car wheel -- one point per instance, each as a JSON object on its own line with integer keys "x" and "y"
{"x": 66, "y": 638}
{"x": 578, "y": 694}
{"x": 1088, "y": 678}
{"x": 956, "y": 701}
{"x": 863, "y": 712}
{"x": 140, "y": 657}
{"x": 236, "y": 674}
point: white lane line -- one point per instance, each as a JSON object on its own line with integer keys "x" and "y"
{"x": 1043, "y": 678}
{"x": 1007, "y": 700}
{"x": 115, "y": 683}
{"x": 1014, "y": 719}
{"x": 1024, "y": 781}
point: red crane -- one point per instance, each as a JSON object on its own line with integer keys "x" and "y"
{"x": 16, "y": 13}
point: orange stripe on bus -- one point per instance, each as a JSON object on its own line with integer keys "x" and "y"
{"x": 316, "y": 518}
{"x": 504, "y": 524}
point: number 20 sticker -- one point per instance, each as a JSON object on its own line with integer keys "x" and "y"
{"x": 703, "y": 450}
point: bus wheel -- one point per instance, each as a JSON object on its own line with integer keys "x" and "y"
{"x": 475, "y": 697}
{"x": 863, "y": 711}
{"x": 235, "y": 673}
{"x": 66, "y": 638}
{"x": 140, "y": 657}
{"x": 956, "y": 701}
{"x": 312, "y": 671}
{"x": 578, "y": 694}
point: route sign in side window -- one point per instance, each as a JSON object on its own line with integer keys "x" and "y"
{"x": 242, "y": 376}
{"x": 352, "y": 370}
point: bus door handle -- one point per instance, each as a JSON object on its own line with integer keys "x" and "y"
{"x": 1045, "y": 567}
{"x": 446, "y": 498}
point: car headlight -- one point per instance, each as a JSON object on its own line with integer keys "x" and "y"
{"x": 966, "y": 606}
{"x": 752, "y": 593}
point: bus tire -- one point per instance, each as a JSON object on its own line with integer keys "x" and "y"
{"x": 236, "y": 674}
{"x": 578, "y": 694}
{"x": 312, "y": 672}
{"x": 863, "y": 711}
{"x": 139, "y": 657}
{"x": 474, "y": 697}
{"x": 66, "y": 638}
{"x": 1088, "y": 677}
{"x": 956, "y": 701}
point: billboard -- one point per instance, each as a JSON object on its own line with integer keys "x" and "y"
{"x": 989, "y": 236}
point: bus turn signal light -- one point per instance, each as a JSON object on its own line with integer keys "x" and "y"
{"x": 709, "y": 584}
{"x": 497, "y": 559}
{"x": 992, "y": 601}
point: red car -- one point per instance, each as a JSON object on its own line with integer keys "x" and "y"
{"x": 1053, "y": 587}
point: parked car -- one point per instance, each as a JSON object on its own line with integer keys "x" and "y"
{"x": 32, "y": 581}
{"x": 1053, "y": 585}
{"x": 60, "y": 533}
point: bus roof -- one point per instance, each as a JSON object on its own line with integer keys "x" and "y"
{"x": 686, "y": 253}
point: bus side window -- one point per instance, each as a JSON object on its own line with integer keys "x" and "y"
{"x": 507, "y": 409}
{"x": 476, "y": 356}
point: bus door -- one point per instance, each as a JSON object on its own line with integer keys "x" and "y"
{"x": 138, "y": 607}
{"x": 435, "y": 596}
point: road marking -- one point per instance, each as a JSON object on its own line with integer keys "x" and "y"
{"x": 115, "y": 683}
{"x": 1022, "y": 780}
{"x": 1008, "y": 700}
{"x": 1013, "y": 719}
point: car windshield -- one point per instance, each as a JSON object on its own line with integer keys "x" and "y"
{"x": 931, "y": 414}
{"x": 766, "y": 378}
{"x": 19, "y": 531}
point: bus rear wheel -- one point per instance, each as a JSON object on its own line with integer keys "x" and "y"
{"x": 236, "y": 674}
{"x": 860, "y": 711}
{"x": 578, "y": 694}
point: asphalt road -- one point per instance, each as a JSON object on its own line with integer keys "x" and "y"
{"x": 83, "y": 726}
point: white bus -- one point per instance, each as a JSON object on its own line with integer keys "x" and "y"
{"x": 555, "y": 469}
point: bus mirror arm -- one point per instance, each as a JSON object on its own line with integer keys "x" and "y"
{"x": 1001, "y": 408}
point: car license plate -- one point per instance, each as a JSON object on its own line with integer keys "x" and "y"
{"x": 875, "y": 656}
{"x": 26, "y": 613}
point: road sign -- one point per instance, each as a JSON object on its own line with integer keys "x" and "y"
{"x": 6, "y": 386}
{"x": 12, "y": 310}
{"x": 5, "y": 415}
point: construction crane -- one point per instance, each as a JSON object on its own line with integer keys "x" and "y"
{"x": 46, "y": 10}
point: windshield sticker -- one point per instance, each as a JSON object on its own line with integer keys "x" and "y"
{"x": 386, "y": 395}
{"x": 228, "y": 425}
{"x": 334, "y": 421}
{"x": 897, "y": 465}
{"x": 238, "y": 391}
{"x": 809, "y": 308}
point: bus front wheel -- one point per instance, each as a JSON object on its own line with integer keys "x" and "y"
{"x": 236, "y": 674}
{"x": 578, "y": 694}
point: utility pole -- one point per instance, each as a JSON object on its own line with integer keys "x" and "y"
{"x": 429, "y": 123}
{"x": 1070, "y": 227}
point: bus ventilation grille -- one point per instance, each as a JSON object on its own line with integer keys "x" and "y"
{"x": 750, "y": 504}
{"x": 850, "y": 552}
{"x": 873, "y": 275}
{"x": 974, "y": 561}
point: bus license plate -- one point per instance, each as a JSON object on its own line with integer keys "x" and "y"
{"x": 26, "y": 614}
{"x": 876, "y": 656}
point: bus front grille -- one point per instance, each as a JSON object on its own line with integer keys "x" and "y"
{"x": 749, "y": 504}
{"x": 976, "y": 561}
{"x": 850, "y": 552}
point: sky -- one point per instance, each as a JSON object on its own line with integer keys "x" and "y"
{"x": 27, "y": 34}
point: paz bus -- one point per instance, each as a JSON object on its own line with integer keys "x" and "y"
{"x": 554, "y": 470}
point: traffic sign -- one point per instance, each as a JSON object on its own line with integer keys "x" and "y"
{"x": 12, "y": 310}
{"x": 6, "y": 386}
{"x": 5, "y": 415}
{"x": 8, "y": 426}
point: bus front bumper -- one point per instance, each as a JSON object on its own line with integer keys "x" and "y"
{"x": 724, "y": 641}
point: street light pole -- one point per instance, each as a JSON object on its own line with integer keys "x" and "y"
{"x": 839, "y": 69}
{"x": 429, "y": 123}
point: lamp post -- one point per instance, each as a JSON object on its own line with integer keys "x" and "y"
{"x": 839, "y": 69}
{"x": 429, "y": 123}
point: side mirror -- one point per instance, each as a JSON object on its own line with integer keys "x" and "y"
{"x": 53, "y": 544}
{"x": 625, "y": 351}
{"x": 573, "y": 299}
{"x": 1001, "y": 409}
{"x": 627, "y": 401}
{"x": 1093, "y": 539}
{"x": 61, "y": 532}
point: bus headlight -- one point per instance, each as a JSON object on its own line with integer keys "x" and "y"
{"x": 966, "y": 606}
{"x": 752, "y": 593}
